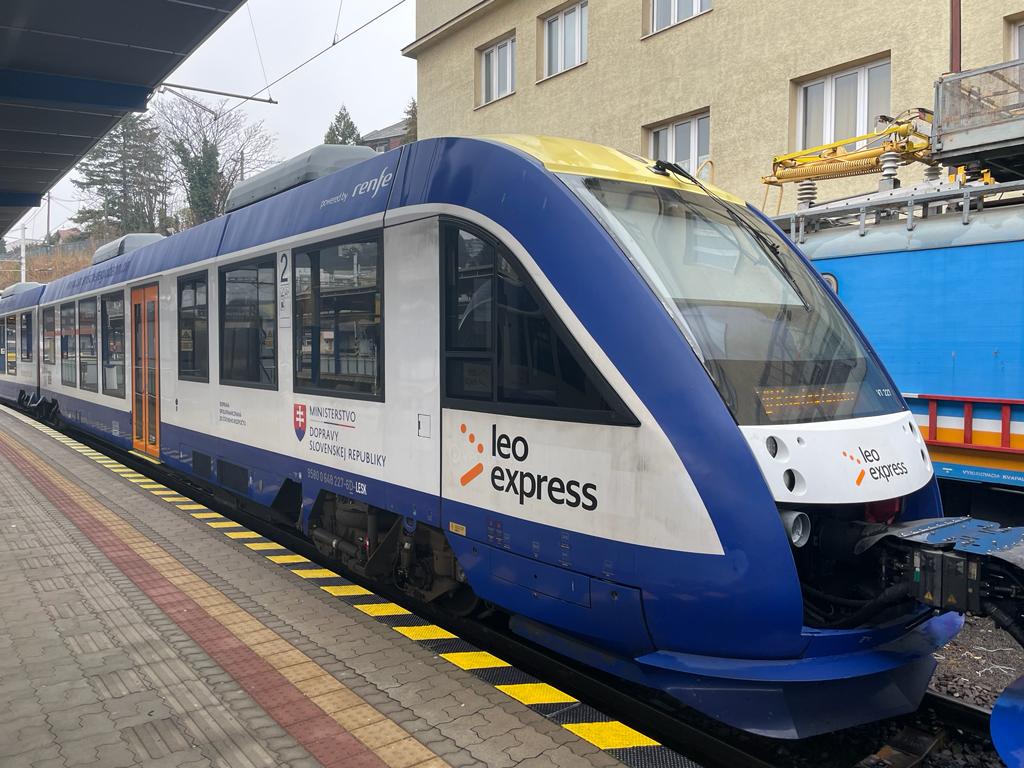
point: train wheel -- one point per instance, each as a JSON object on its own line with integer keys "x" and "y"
{"x": 461, "y": 602}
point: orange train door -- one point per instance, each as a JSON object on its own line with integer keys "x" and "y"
{"x": 145, "y": 371}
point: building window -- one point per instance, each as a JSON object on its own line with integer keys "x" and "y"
{"x": 112, "y": 317}
{"x": 68, "y": 372}
{"x": 11, "y": 325}
{"x": 87, "y": 361}
{"x": 501, "y": 344}
{"x": 665, "y": 13}
{"x": 686, "y": 143}
{"x": 498, "y": 70}
{"x": 1018, "y": 40}
{"x": 193, "y": 329}
{"x": 49, "y": 336}
{"x": 248, "y": 324}
{"x": 338, "y": 331}
{"x": 565, "y": 39}
{"x": 27, "y": 339}
{"x": 843, "y": 104}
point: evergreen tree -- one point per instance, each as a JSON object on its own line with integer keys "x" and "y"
{"x": 342, "y": 130}
{"x": 202, "y": 178}
{"x": 411, "y": 130}
{"x": 3, "y": 247}
{"x": 125, "y": 177}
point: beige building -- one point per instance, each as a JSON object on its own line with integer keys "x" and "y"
{"x": 731, "y": 81}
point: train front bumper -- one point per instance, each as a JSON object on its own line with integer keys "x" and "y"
{"x": 797, "y": 698}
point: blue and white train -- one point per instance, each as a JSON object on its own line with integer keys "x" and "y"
{"x": 555, "y": 378}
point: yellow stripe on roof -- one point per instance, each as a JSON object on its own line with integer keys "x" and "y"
{"x": 610, "y": 735}
{"x": 583, "y": 158}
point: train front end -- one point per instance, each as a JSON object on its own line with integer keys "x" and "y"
{"x": 814, "y": 448}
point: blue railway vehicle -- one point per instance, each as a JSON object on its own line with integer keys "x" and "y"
{"x": 561, "y": 380}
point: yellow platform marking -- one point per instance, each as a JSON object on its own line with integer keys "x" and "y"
{"x": 190, "y": 507}
{"x": 536, "y": 693}
{"x": 286, "y": 559}
{"x": 264, "y": 546}
{"x": 154, "y": 487}
{"x": 175, "y": 498}
{"x": 206, "y": 515}
{"x": 160, "y": 490}
{"x": 429, "y": 632}
{"x": 242, "y": 535}
{"x": 146, "y": 457}
{"x": 225, "y": 524}
{"x": 474, "y": 659}
{"x": 137, "y": 480}
{"x": 610, "y": 735}
{"x": 382, "y": 609}
{"x": 345, "y": 590}
{"x": 315, "y": 573}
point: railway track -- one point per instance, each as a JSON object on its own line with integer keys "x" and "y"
{"x": 900, "y": 743}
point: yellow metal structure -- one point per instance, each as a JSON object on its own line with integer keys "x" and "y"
{"x": 857, "y": 155}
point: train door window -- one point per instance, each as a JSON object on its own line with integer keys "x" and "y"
{"x": 88, "y": 366}
{"x": 49, "y": 336}
{"x": 112, "y": 321}
{"x": 12, "y": 344}
{"x": 193, "y": 328}
{"x": 248, "y": 324}
{"x": 27, "y": 339}
{"x": 337, "y": 316}
{"x": 504, "y": 345}
{"x": 68, "y": 372}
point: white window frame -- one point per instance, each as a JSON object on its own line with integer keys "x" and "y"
{"x": 828, "y": 113}
{"x": 699, "y": 7}
{"x": 558, "y": 19}
{"x": 1018, "y": 39}
{"x": 509, "y": 54}
{"x": 694, "y": 121}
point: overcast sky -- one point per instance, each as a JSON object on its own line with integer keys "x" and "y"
{"x": 367, "y": 73}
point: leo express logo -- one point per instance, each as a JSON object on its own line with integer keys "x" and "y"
{"x": 520, "y": 482}
{"x": 867, "y": 459}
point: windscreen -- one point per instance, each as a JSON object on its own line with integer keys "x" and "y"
{"x": 773, "y": 341}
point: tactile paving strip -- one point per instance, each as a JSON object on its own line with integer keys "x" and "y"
{"x": 620, "y": 741}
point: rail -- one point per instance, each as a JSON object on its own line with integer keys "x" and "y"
{"x": 1006, "y": 405}
{"x": 910, "y": 206}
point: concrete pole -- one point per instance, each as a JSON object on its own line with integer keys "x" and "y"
{"x": 23, "y": 253}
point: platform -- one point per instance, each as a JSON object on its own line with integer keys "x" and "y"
{"x": 138, "y": 627}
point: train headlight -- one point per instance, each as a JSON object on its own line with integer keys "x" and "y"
{"x": 798, "y": 527}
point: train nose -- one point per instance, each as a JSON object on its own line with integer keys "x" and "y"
{"x": 1007, "y": 725}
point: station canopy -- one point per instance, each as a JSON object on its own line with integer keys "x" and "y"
{"x": 71, "y": 69}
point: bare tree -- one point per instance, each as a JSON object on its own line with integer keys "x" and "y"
{"x": 210, "y": 147}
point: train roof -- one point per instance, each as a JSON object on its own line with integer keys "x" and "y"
{"x": 361, "y": 190}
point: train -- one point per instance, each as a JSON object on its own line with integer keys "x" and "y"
{"x": 549, "y": 378}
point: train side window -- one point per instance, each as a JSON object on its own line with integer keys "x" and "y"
{"x": 248, "y": 324}
{"x": 49, "y": 336}
{"x": 88, "y": 366}
{"x": 338, "y": 322}
{"x": 505, "y": 346}
{"x": 12, "y": 344}
{"x": 27, "y": 339}
{"x": 193, "y": 328}
{"x": 68, "y": 355}
{"x": 112, "y": 320}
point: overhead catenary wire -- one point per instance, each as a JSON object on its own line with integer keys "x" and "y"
{"x": 259, "y": 52}
{"x": 317, "y": 55}
{"x": 337, "y": 23}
